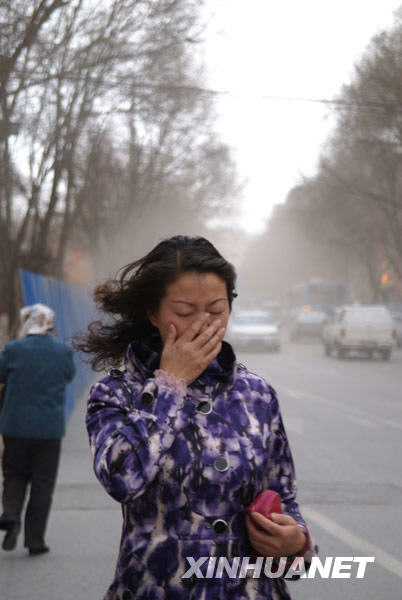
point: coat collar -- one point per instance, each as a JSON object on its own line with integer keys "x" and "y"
{"x": 143, "y": 358}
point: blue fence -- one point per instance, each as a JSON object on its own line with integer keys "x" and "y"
{"x": 74, "y": 310}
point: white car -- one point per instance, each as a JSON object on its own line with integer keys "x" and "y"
{"x": 254, "y": 329}
{"x": 366, "y": 329}
{"x": 306, "y": 324}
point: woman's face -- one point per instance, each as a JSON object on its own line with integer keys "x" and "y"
{"x": 188, "y": 298}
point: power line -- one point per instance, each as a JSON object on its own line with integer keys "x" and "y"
{"x": 367, "y": 105}
{"x": 133, "y": 86}
{"x": 384, "y": 106}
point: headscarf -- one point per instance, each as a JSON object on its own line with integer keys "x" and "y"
{"x": 36, "y": 319}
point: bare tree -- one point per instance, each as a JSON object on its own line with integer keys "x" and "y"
{"x": 366, "y": 157}
{"x": 351, "y": 210}
{"x": 92, "y": 84}
{"x": 20, "y": 25}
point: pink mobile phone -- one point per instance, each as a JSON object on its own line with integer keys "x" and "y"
{"x": 266, "y": 503}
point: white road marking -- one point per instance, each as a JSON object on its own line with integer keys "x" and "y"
{"x": 285, "y": 363}
{"x": 362, "y": 421}
{"x": 341, "y": 407}
{"x": 391, "y": 423}
{"x": 389, "y": 562}
{"x": 289, "y": 392}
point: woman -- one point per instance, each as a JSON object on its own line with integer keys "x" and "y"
{"x": 35, "y": 370}
{"x": 183, "y": 437}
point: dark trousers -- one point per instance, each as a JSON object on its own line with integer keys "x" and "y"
{"x": 29, "y": 462}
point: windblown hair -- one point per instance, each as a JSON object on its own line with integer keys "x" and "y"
{"x": 140, "y": 288}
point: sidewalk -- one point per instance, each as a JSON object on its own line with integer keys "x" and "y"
{"x": 83, "y": 533}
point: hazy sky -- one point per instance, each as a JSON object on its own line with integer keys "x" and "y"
{"x": 287, "y": 48}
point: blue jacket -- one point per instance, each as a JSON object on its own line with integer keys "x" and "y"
{"x": 179, "y": 469}
{"x": 36, "y": 370}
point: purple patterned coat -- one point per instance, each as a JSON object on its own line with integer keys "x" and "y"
{"x": 156, "y": 453}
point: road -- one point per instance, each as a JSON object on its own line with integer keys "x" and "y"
{"x": 344, "y": 423}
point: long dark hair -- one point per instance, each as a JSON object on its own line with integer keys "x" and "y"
{"x": 140, "y": 288}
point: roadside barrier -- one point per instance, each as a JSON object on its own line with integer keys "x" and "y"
{"x": 74, "y": 310}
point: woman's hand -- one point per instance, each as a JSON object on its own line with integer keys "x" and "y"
{"x": 276, "y": 538}
{"x": 186, "y": 357}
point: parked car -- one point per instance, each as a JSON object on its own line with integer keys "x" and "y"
{"x": 366, "y": 329}
{"x": 306, "y": 324}
{"x": 398, "y": 327}
{"x": 254, "y": 329}
{"x": 396, "y": 312}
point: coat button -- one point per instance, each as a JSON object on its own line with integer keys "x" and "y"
{"x": 149, "y": 393}
{"x": 221, "y": 464}
{"x": 219, "y": 526}
{"x": 147, "y": 398}
{"x": 116, "y": 373}
{"x": 204, "y": 407}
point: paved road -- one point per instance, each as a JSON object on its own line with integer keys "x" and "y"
{"x": 344, "y": 421}
{"x": 83, "y": 534}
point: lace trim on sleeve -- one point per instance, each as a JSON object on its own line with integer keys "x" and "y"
{"x": 170, "y": 381}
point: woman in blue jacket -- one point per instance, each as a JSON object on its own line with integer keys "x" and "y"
{"x": 35, "y": 370}
{"x": 184, "y": 437}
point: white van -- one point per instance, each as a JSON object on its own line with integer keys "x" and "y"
{"x": 367, "y": 329}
